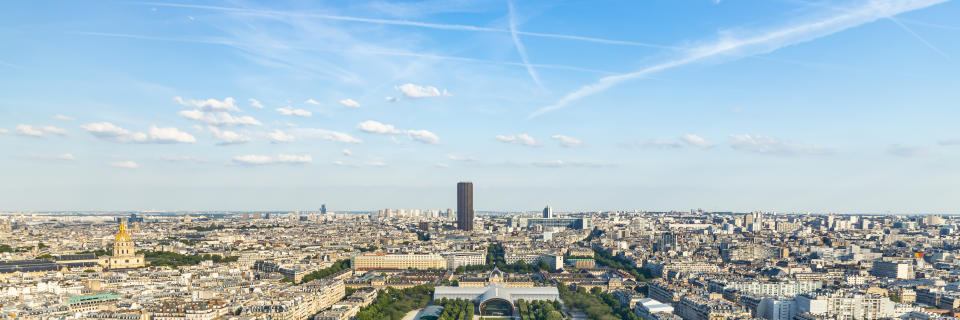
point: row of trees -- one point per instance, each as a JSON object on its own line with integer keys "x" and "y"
{"x": 604, "y": 258}
{"x": 173, "y": 259}
{"x": 539, "y": 310}
{"x": 8, "y": 248}
{"x": 598, "y": 305}
{"x": 393, "y": 304}
{"x": 455, "y": 309}
{"x": 338, "y": 266}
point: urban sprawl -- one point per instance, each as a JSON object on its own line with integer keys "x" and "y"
{"x": 453, "y": 264}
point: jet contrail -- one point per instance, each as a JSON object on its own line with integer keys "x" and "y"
{"x": 767, "y": 42}
{"x": 520, "y": 49}
{"x": 408, "y": 23}
{"x": 370, "y": 52}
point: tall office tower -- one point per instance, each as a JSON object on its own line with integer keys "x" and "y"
{"x": 548, "y": 212}
{"x": 323, "y": 209}
{"x": 465, "y": 206}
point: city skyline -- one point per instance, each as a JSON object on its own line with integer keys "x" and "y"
{"x": 788, "y": 106}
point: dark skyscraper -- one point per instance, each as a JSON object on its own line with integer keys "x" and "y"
{"x": 465, "y": 206}
{"x": 323, "y": 209}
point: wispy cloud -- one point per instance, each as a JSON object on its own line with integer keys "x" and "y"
{"x": 653, "y": 144}
{"x": 908, "y": 151}
{"x": 697, "y": 141}
{"x": 763, "y": 42}
{"x": 38, "y": 131}
{"x": 111, "y": 132}
{"x": 414, "y": 91}
{"x": 521, "y": 139}
{"x": 569, "y": 142}
{"x": 520, "y": 48}
{"x": 440, "y": 26}
{"x": 214, "y": 112}
{"x": 424, "y": 136}
{"x": 255, "y": 103}
{"x": 124, "y": 164}
{"x": 949, "y": 142}
{"x": 256, "y": 159}
{"x": 323, "y": 134}
{"x": 564, "y": 164}
{"x": 227, "y": 137}
{"x": 278, "y": 136}
{"x": 773, "y": 146}
{"x": 290, "y": 111}
{"x": 63, "y": 117}
{"x": 349, "y": 103}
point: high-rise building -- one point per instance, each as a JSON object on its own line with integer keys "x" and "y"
{"x": 465, "y": 206}
{"x": 548, "y": 212}
{"x": 323, "y": 209}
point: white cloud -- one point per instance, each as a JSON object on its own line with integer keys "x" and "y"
{"x": 338, "y": 163}
{"x": 423, "y": 136}
{"x": 256, "y": 104}
{"x": 390, "y": 99}
{"x": 908, "y": 151}
{"x": 416, "y": 91}
{"x": 67, "y": 156}
{"x": 228, "y": 137}
{"x": 169, "y": 135}
{"x": 227, "y": 105}
{"x": 328, "y": 135}
{"x": 347, "y": 152}
{"x": 111, "y": 132}
{"x": 290, "y": 111}
{"x": 371, "y": 126}
{"x": 697, "y": 141}
{"x": 218, "y": 118}
{"x": 768, "y": 145}
{"x": 254, "y": 159}
{"x": 280, "y": 136}
{"x": 63, "y": 117}
{"x": 4, "y": 131}
{"x": 569, "y": 142}
{"x": 521, "y": 139}
{"x": 31, "y": 131}
{"x": 441, "y": 165}
{"x": 350, "y": 103}
{"x": 124, "y": 164}
{"x": 313, "y": 102}
{"x": 730, "y": 47}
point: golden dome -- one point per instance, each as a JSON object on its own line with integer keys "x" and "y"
{"x": 122, "y": 235}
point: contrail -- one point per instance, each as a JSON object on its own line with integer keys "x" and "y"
{"x": 520, "y": 49}
{"x": 919, "y": 38}
{"x": 767, "y": 42}
{"x": 896, "y": 21}
{"x": 371, "y": 52}
{"x": 407, "y": 23}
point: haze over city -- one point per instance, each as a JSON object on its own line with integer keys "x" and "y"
{"x": 786, "y": 106}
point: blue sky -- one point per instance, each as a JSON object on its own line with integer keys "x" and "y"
{"x": 783, "y": 105}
